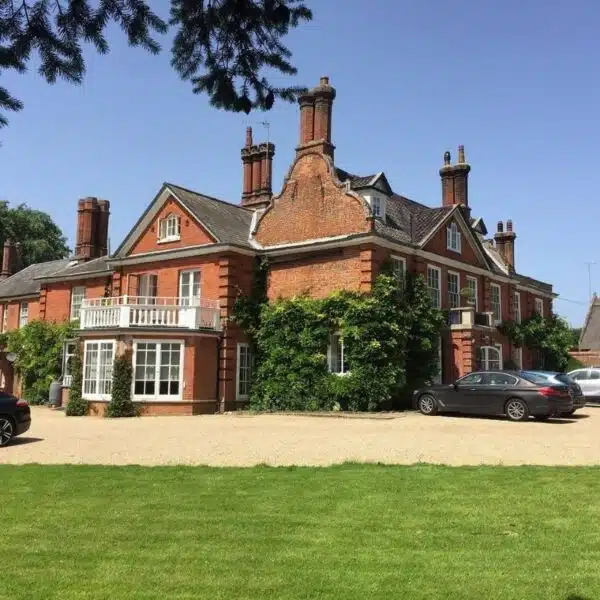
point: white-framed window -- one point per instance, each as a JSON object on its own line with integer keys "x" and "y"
{"x": 189, "y": 288}
{"x": 5, "y": 317}
{"x": 336, "y": 357}
{"x": 472, "y": 287}
{"x": 98, "y": 359}
{"x": 490, "y": 358}
{"x": 77, "y": 297}
{"x": 518, "y": 357}
{"x": 453, "y": 237}
{"x": 437, "y": 378}
{"x": 433, "y": 285}
{"x": 147, "y": 288}
{"x": 517, "y": 307}
{"x": 539, "y": 307}
{"x": 157, "y": 370}
{"x": 496, "y": 301}
{"x": 168, "y": 228}
{"x": 399, "y": 268}
{"x": 244, "y": 370}
{"x": 23, "y": 314}
{"x": 68, "y": 352}
{"x": 453, "y": 290}
{"x": 377, "y": 206}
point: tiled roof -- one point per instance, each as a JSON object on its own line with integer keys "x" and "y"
{"x": 26, "y": 282}
{"x": 590, "y": 334}
{"x": 229, "y": 223}
{"x": 95, "y": 267}
{"x": 356, "y": 181}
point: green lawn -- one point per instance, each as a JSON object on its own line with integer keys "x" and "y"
{"x": 349, "y": 532}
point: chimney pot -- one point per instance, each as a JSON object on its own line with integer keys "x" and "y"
{"x": 324, "y": 81}
{"x": 509, "y": 225}
{"x": 248, "y": 137}
{"x": 461, "y": 155}
{"x": 447, "y": 158}
{"x": 500, "y": 226}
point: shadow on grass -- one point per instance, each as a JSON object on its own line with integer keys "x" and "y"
{"x": 577, "y": 597}
{"x": 21, "y": 441}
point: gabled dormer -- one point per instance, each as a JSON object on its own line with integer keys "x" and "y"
{"x": 375, "y": 189}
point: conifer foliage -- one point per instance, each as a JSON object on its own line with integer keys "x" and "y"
{"x": 220, "y": 46}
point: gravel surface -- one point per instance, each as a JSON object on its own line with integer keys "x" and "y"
{"x": 244, "y": 440}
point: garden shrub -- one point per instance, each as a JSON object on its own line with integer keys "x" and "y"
{"x": 121, "y": 404}
{"x": 76, "y": 406}
{"x": 39, "y": 349}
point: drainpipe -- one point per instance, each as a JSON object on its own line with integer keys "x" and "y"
{"x": 218, "y": 340}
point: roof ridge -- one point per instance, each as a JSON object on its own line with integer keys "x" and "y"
{"x": 206, "y": 196}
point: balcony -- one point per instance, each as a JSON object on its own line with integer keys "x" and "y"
{"x": 150, "y": 312}
{"x": 467, "y": 318}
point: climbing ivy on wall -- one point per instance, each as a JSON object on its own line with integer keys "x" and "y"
{"x": 39, "y": 349}
{"x": 390, "y": 338}
{"x": 550, "y": 336}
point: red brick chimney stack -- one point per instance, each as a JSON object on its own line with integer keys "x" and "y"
{"x": 505, "y": 243}
{"x": 316, "y": 107}
{"x": 7, "y": 260}
{"x": 92, "y": 228}
{"x": 257, "y": 160}
{"x": 455, "y": 181}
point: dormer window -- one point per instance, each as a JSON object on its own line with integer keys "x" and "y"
{"x": 168, "y": 229}
{"x": 453, "y": 235}
{"x": 377, "y": 206}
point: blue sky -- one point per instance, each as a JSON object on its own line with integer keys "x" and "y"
{"x": 518, "y": 83}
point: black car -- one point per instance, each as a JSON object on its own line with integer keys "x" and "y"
{"x": 15, "y": 417}
{"x": 509, "y": 393}
{"x": 575, "y": 389}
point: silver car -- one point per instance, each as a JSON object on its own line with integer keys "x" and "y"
{"x": 588, "y": 380}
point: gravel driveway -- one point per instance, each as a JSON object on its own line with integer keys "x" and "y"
{"x": 244, "y": 440}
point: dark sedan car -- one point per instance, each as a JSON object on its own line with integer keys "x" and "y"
{"x": 15, "y": 417}
{"x": 574, "y": 387}
{"x": 508, "y": 393}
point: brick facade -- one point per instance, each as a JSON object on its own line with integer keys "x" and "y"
{"x": 321, "y": 233}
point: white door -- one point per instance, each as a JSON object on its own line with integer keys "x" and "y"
{"x": 189, "y": 288}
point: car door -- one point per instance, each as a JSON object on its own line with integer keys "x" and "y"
{"x": 582, "y": 377}
{"x": 495, "y": 390}
{"x": 467, "y": 394}
{"x": 594, "y": 383}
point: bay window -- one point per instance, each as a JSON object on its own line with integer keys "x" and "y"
{"x": 157, "y": 370}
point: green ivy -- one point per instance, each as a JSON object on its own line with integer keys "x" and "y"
{"x": 39, "y": 349}
{"x": 76, "y": 406}
{"x": 380, "y": 330}
{"x": 551, "y": 337}
{"x": 121, "y": 404}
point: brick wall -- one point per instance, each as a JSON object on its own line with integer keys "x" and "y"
{"x": 55, "y": 299}
{"x": 192, "y": 234}
{"x": 312, "y": 206}
{"x": 438, "y": 244}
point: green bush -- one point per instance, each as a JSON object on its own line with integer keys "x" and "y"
{"x": 121, "y": 404}
{"x": 39, "y": 349}
{"x": 77, "y": 406}
{"x": 380, "y": 329}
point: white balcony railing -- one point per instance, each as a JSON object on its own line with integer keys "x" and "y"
{"x": 142, "y": 311}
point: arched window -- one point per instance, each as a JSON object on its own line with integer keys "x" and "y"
{"x": 490, "y": 358}
{"x": 168, "y": 228}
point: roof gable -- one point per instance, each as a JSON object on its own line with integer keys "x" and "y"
{"x": 590, "y": 333}
{"x": 472, "y": 251}
{"x": 209, "y": 221}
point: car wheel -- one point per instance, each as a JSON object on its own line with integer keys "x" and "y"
{"x": 427, "y": 405}
{"x": 7, "y": 430}
{"x": 516, "y": 410}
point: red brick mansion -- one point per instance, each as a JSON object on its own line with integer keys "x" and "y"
{"x": 168, "y": 290}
